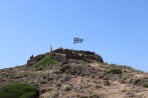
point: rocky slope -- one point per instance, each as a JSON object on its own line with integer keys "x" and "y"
{"x": 66, "y": 73}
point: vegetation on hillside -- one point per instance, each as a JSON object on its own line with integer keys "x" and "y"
{"x": 114, "y": 71}
{"x": 145, "y": 85}
{"x": 18, "y": 90}
{"x": 43, "y": 63}
{"x": 56, "y": 74}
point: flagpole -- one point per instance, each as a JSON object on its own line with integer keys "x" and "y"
{"x": 73, "y": 44}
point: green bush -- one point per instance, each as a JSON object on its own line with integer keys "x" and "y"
{"x": 114, "y": 71}
{"x": 43, "y": 63}
{"x": 145, "y": 85}
{"x": 18, "y": 90}
{"x": 94, "y": 96}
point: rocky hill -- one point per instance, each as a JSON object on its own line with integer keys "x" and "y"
{"x": 67, "y": 73}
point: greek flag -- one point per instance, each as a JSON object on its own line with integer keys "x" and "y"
{"x": 78, "y": 40}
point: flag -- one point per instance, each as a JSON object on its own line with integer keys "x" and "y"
{"x": 78, "y": 40}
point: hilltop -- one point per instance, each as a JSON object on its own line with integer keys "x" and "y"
{"x": 68, "y": 73}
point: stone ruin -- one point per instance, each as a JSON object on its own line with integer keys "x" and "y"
{"x": 68, "y": 56}
{"x": 34, "y": 60}
{"x": 79, "y": 55}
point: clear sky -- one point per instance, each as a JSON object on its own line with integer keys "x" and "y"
{"x": 115, "y": 29}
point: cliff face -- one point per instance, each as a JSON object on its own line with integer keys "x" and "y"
{"x": 66, "y": 73}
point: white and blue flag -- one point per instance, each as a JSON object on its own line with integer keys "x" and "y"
{"x": 78, "y": 40}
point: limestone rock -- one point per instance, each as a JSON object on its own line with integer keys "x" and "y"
{"x": 59, "y": 57}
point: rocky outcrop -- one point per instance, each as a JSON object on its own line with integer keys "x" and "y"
{"x": 80, "y": 55}
{"x": 59, "y": 57}
{"x": 68, "y": 56}
{"x": 34, "y": 60}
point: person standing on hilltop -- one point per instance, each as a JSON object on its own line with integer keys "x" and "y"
{"x": 31, "y": 57}
{"x": 50, "y": 49}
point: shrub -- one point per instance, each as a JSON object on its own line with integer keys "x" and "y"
{"x": 137, "y": 81}
{"x": 41, "y": 81}
{"x": 94, "y": 96}
{"x": 64, "y": 68}
{"x": 20, "y": 75}
{"x": 18, "y": 90}
{"x": 91, "y": 96}
{"x": 114, "y": 71}
{"x": 145, "y": 85}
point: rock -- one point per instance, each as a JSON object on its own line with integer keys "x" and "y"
{"x": 64, "y": 79}
{"x": 94, "y": 96}
{"x": 106, "y": 82}
{"x": 130, "y": 94}
{"x": 68, "y": 87}
{"x": 43, "y": 91}
{"x": 82, "y": 96}
{"x": 54, "y": 95}
{"x": 57, "y": 78}
{"x": 98, "y": 86}
{"x": 101, "y": 75}
{"x": 58, "y": 84}
{"x": 60, "y": 57}
{"x": 34, "y": 60}
{"x": 2, "y": 80}
{"x": 126, "y": 76}
{"x": 105, "y": 76}
{"x": 50, "y": 78}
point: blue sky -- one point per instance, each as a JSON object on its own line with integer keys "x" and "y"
{"x": 115, "y": 29}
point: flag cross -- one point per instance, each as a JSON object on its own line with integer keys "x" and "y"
{"x": 78, "y": 40}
